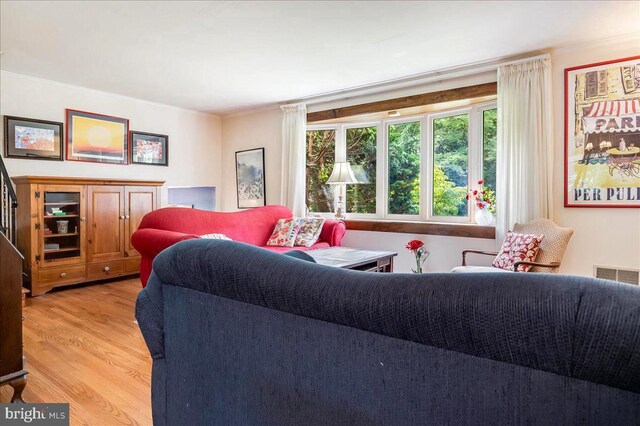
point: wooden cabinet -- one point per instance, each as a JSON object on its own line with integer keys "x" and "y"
{"x": 72, "y": 230}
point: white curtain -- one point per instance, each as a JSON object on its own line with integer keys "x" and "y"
{"x": 524, "y": 151}
{"x": 294, "y": 126}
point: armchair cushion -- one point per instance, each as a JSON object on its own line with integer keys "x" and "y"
{"x": 518, "y": 247}
{"x": 475, "y": 269}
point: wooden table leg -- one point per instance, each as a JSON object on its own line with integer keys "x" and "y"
{"x": 18, "y": 386}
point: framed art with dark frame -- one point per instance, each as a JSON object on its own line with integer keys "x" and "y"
{"x": 149, "y": 148}
{"x": 602, "y": 134}
{"x": 33, "y": 139}
{"x": 97, "y": 138}
{"x": 250, "y": 180}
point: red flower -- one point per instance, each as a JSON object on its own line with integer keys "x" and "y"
{"x": 480, "y": 205}
{"x": 475, "y": 192}
{"x": 477, "y": 198}
{"x": 414, "y": 245}
{"x": 467, "y": 196}
{"x": 480, "y": 182}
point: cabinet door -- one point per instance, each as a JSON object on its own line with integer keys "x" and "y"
{"x": 140, "y": 200}
{"x": 60, "y": 229}
{"x": 105, "y": 220}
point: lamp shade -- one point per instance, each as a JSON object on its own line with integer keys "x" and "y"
{"x": 342, "y": 173}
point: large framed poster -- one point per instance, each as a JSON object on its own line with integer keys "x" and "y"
{"x": 602, "y": 134}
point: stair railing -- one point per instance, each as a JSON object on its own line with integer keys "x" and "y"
{"x": 8, "y": 205}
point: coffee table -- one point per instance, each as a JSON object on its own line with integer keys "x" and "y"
{"x": 353, "y": 258}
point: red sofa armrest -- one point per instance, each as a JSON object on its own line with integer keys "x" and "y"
{"x": 150, "y": 242}
{"x": 332, "y": 232}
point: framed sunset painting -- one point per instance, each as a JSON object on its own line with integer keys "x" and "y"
{"x": 97, "y": 138}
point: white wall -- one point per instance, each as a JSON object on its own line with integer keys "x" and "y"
{"x": 602, "y": 236}
{"x": 194, "y": 137}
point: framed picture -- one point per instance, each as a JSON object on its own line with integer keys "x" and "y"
{"x": 250, "y": 178}
{"x": 32, "y": 139}
{"x": 602, "y": 134}
{"x": 149, "y": 148}
{"x": 97, "y": 138}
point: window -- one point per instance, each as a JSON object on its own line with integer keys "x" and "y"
{"x": 489, "y": 139}
{"x": 404, "y": 168}
{"x": 450, "y": 165}
{"x": 321, "y": 155}
{"x": 414, "y": 168}
{"x": 361, "y": 154}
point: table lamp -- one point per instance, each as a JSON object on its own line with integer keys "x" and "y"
{"x": 341, "y": 174}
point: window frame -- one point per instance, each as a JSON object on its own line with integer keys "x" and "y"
{"x": 474, "y": 154}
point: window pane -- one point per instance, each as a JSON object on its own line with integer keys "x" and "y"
{"x": 404, "y": 168}
{"x": 451, "y": 161}
{"x": 321, "y": 155}
{"x": 489, "y": 140}
{"x": 361, "y": 154}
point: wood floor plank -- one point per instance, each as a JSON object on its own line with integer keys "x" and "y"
{"x": 83, "y": 347}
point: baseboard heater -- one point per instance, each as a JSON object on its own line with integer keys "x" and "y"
{"x": 623, "y": 275}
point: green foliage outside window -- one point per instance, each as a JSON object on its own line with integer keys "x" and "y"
{"x": 361, "y": 154}
{"x": 404, "y": 168}
{"x": 321, "y": 155}
{"x": 489, "y": 139}
{"x": 451, "y": 158}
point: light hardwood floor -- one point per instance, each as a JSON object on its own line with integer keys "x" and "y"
{"x": 83, "y": 346}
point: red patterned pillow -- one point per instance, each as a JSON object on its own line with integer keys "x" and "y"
{"x": 518, "y": 247}
{"x": 285, "y": 232}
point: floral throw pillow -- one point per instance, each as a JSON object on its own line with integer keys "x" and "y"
{"x": 518, "y": 247}
{"x": 310, "y": 228}
{"x": 285, "y": 232}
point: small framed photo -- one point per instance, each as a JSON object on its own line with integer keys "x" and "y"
{"x": 97, "y": 138}
{"x": 149, "y": 148}
{"x": 250, "y": 178}
{"x": 32, "y": 139}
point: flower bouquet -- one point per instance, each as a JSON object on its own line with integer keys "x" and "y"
{"x": 485, "y": 200}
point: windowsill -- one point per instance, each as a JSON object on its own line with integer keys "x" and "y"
{"x": 467, "y": 230}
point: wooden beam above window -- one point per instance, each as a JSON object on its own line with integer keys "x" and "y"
{"x": 469, "y": 92}
{"x": 430, "y": 228}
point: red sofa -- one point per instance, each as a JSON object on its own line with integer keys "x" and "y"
{"x": 162, "y": 228}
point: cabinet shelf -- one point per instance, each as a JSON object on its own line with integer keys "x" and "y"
{"x": 60, "y": 216}
{"x": 70, "y": 203}
{"x": 61, "y": 249}
{"x": 61, "y": 235}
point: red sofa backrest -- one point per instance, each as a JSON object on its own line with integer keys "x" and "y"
{"x": 252, "y": 226}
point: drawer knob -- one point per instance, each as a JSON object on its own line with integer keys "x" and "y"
{"x": 82, "y": 219}
{"x": 106, "y": 269}
{"x": 126, "y": 216}
{"x": 122, "y": 217}
{"x": 62, "y": 275}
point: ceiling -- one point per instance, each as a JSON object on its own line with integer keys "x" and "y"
{"x": 227, "y": 56}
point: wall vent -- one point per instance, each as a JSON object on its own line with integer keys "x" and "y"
{"x": 628, "y": 276}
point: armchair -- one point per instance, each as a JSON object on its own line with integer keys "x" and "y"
{"x": 552, "y": 248}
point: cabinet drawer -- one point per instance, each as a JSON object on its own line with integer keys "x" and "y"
{"x": 132, "y": 265}
{"x": 100, "y": 270}
{"x": 61, "y": 275}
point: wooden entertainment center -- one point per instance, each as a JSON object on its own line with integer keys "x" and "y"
{"x": 74, "y": 230}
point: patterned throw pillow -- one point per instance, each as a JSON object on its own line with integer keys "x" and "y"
{"x": 518, "y": 247}
{"x": 284, "y": 234}
{"x": 310, "y": 228}
{"x": 215, "y": 237}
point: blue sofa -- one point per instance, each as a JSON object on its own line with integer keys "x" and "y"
{"x": 243, "y": 336}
